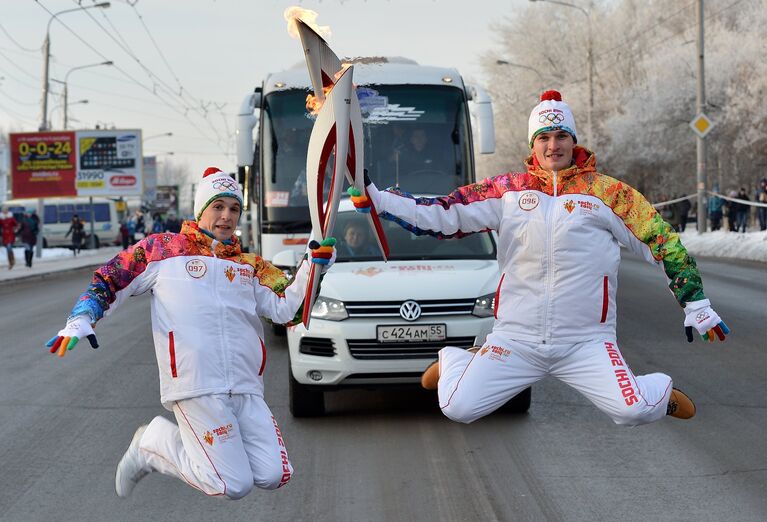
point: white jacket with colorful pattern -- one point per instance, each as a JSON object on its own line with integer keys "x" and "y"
{"x": 558, "y": 248}
{"x": 207, "y": 297}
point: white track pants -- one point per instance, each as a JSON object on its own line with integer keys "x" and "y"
{"x": 473, "y": 385}
{"x": 222, "y": 445}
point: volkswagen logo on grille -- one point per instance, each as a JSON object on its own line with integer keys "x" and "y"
{"x": 410, "y": 310}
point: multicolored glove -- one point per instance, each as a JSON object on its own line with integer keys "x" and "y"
{"x": 77, "y": 327}
{"x": 361, "y": 201}
{"x": 700, "y": 315}
{"x": 323, "y": 253}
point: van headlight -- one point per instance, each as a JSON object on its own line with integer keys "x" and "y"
{"x": 484, "y": 305}
{"x": 329, "y": 309}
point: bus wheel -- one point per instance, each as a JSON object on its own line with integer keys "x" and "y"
{"x": 96, "y": 241}
{"x": 45, "y": 243}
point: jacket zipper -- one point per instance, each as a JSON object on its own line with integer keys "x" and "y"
{"x": 172, "y": 352}
{"x": 549, "y": 259}
{"x": 225, "y": 352}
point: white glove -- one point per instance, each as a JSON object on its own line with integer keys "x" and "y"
{"x": 77, "y": 328}
{"x": 700, "y": 315}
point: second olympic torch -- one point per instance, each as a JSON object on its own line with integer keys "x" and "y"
{"x": 338, "y": 130}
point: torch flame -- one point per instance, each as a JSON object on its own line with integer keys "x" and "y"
{"x": 307, "y": 16}
{"x": 313, "y": 104}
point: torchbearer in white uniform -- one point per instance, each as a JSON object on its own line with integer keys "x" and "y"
{"x": 207, "y": 297}
{"x": 560, "y": 224}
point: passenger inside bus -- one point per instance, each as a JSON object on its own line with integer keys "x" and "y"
{"x": 421, "y": 166}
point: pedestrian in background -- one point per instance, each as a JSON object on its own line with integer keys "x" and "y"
{"x": 77, "y": 229}
{"x": 684, "y": 211}
{"x": 157, "y": 224}
{"x": 761, "y": 197}
{"x": 140, "y": 229}
{"x": 28, "y": 230}
{"x": 742, "y": 211}
{"x": 715, "y": 206}
{"x": 131, "y": 225}
{"x": 172, "y": 224}
{"x": 124, "y": 234}
{"x": 8, "y": 226}
{"x": 732, "y": 211}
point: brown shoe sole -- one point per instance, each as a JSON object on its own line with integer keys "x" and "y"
{"x": 680, "y": 405}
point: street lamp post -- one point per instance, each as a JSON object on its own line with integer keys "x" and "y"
{"x": 510, "y": 64}
{"x": 157, "y": 136}
{"x": 66, "y": 84}
{"x": 46, "y": 85}
{"x": 590, "y": 73}
{"x": 92, "y": 239}
{"x": 63, "y": 107}
{"x": 47, "y": 56}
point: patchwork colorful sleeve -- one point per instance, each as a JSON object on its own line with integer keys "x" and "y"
{"x": 640, "y": 227}
{"x": 278, "y": 298}
{"x": 466, "y": 210}
{"x": 109, "y": 283}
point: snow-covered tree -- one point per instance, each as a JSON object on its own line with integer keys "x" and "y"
{"x": 645, "y": 86}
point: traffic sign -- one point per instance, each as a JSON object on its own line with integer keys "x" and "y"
{"x": 701, "y": 125}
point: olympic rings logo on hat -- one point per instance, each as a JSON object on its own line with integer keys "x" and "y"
{"x": 551, "y": 118}
{"x": 225, "y": 184}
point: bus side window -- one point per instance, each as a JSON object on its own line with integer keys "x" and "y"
{"x": 101, "y": 212}
{"x": 66, "y": 211}
{"x": 51, "y": 214}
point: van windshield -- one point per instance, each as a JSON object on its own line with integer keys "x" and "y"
{"x": 355, "y": 242}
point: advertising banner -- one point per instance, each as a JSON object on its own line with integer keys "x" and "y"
{"x": 110, "y": 163}
{"x": 167, "y": 199}
{"x": 150, "y": 180}
{"x": 43, "y": 164}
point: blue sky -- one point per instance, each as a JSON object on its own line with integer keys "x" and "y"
{"x": 185, "y": 66}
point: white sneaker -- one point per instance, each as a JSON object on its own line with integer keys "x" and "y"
{"x": 132, "y": 466}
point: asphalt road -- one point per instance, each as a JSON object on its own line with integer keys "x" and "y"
{"x": 392, "y": 456}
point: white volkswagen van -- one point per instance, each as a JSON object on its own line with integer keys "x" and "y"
{"x": 381, "y": 323}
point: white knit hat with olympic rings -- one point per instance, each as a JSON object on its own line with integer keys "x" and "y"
{"x": 215, "y": 184}
{"x": 549, "y": 115}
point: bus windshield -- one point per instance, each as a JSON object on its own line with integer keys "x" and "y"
{"x": 416, "y": 137}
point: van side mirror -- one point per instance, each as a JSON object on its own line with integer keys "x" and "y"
{"x": 287, "y": 259}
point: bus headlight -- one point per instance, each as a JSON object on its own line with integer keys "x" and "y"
{"x": 484, "y": 305}
{"x": 329, "y": 309}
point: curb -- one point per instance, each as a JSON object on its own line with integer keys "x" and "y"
{"x": 45, "y": 275}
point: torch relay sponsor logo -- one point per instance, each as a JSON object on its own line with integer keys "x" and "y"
{"x": 497, "y": 353}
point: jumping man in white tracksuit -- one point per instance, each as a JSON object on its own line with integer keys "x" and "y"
{"x": 207, "y": 297}
{"x": 559, "y": 227}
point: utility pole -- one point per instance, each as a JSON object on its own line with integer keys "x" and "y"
{"x": 44, "y": 125}
{"x": 700, "y": 106}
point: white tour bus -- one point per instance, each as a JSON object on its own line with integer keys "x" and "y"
{"x": 402, "y": 103}
{"x": 58, "y": 214}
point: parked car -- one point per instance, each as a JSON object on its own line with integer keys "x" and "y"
{"x": 381, "y": 323}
